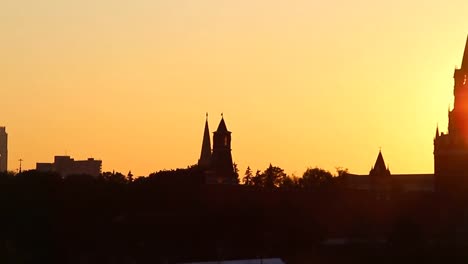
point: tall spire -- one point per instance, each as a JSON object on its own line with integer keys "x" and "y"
{"x": 465, "y": 57}
{"x": 205, "y": 155}
{"x": 437, "y": 131}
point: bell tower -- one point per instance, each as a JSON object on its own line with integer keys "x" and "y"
{"x": 221, "y": 157}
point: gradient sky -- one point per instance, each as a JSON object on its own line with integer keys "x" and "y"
{"x": 300, "y": 83}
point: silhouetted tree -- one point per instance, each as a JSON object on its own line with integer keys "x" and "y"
{"x": 340, "y": 171}
{"x": 340, "y": 179}
{"x": 257, "y": 179}
{"x": 236, "y": 172}
{"x": 290, "y": 183}
{"x": 38, "y": 178}
{"x": 271, "y": 178}
{"x": 114, "y": 177}
{"x": 247, "y": 180}
{"x": 315, "y": 178}
{"x": 274, "y": 176}
{"x": 130, "y": 176}
{"x": 192, "y": 175}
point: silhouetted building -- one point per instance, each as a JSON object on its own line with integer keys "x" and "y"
{"x": 3, "y": 150}
{"x": 450, "y": 153}
{"x": 217, "y": 164}
{"x": 65, "y": 166}
{"x": 382, "y": 182}
{"x": 451, "y": 149}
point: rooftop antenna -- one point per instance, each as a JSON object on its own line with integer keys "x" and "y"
{"x": 20, "y": 161}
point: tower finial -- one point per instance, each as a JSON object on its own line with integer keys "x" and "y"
{"x": 222, "y": 116}
{"x": 206, "y": 115}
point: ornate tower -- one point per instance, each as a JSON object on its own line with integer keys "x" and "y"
{"x": 221, "y": 159}
{"x": 205, "y": 155}
{"x": 451, "y": 149}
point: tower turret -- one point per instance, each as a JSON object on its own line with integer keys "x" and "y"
{"x": 221, "y": 158}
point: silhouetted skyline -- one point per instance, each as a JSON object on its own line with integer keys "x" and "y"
{"x": 129, "y": 82}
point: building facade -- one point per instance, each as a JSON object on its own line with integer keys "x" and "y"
{"x": 382, "y": 182}
{"x": 217, "y": 162}
{"x": 451, "y": 148}
{"x": 450, "y": 153}
{"x": 3, "y": 150}
{"x": 66, "y": 166}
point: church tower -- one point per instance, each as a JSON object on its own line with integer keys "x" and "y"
{"x": 221, "y": 158}
{"x": 451, "y": 149}
{"x": 217, "y": 165}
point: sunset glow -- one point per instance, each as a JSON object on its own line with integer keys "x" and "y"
{"x": 300, "y": 83}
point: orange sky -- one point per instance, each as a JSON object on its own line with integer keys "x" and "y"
{"x": 301, "y": 83}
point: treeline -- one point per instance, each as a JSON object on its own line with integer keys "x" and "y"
{"x": 173, "y": 216}
{"x": 312, "y": 179}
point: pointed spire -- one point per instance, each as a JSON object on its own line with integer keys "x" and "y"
{"x": 205, "y": 155}
{"x": 379, "y": 168}
{"x": 379, "y": 163}
{"x": 437, "y": 131}
{"x": 465, "y": 56}
{"x": 222, "y": 126}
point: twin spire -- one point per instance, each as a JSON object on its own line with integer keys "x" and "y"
{"x": 205, "y": 155}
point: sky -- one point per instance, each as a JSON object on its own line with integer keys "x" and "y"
{"x": 301, "y": 83}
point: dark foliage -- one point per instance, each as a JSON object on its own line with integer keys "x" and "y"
{"x": 172, "y": 216}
